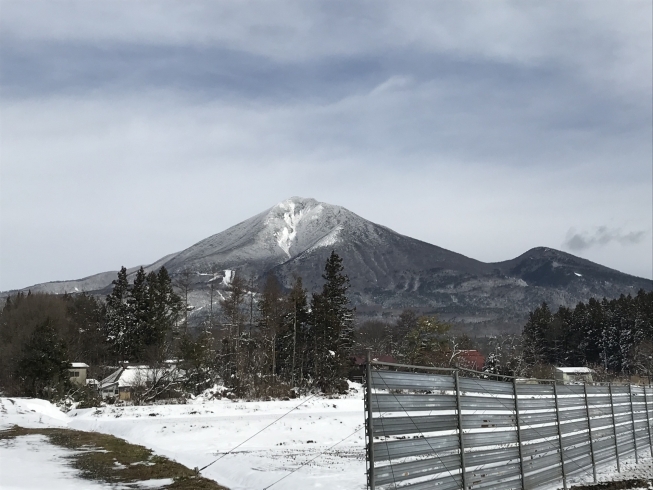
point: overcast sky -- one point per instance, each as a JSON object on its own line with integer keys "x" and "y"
{"x": 131, "y": 130}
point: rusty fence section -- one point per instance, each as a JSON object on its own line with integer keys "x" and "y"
{"x": 448, "y": 429}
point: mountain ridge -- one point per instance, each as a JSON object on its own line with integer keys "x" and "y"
{"x": 388, "y": 271}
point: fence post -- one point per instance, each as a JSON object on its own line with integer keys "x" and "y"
{"x": 632, "y": 418}
{"x": 461, "y": 439}
{"x": 369, "y": 426}
{"x": 648, "y": 421}
{"x": 521, "y": 457}
{"x": 562, "y": 457}
{"x": 589, "y": 428}
{"x": 614, "y": 427}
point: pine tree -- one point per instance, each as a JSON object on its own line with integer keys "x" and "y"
{"x": 164, "y": 308}
{"x": 119, "y": 318}
{"x": 332, "y": 327}
{"x": 43, "y": 364}
{"x": 534, "y": 335}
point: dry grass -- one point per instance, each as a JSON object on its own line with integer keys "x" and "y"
{"x": 109, "y": 459}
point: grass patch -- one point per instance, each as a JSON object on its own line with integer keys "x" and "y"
{"x": 109, "y": 459}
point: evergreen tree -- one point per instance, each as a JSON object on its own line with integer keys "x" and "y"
{"x": 332, "y": 327}
{"x": 119, "y": 318}
{"x": 426, "y": 344}
{"x": 164, "y": 308}
{"x": 43, "y": 363}
{"x": 534, "y": 335}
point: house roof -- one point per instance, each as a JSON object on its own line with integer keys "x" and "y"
{"x": 78, "y": 365}
{"x": 134, "y": 375}
{"x": 575, "y": 370}
{"x": 472, "y": 357}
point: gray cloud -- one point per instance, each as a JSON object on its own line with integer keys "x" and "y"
{"x": 602, "y": 235}
{"x": 129, "y": 133}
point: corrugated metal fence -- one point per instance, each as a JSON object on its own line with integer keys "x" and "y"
{"x": 449, "y": 431}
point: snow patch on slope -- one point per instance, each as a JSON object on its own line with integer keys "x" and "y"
{"x": 295, "y": 210}
{"x": 287, "y": 235}
{"x": 327, "y": 240}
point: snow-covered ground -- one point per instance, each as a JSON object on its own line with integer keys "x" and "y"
{"x": 199, "y": 432}
{"x": 32, "y": 463}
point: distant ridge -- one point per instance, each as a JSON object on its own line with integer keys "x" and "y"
{"x": 388, "y": 271}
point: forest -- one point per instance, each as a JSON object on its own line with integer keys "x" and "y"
{"x": 276, "y": 342}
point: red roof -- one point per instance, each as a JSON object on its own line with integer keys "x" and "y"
{"x": 471, "y": 359}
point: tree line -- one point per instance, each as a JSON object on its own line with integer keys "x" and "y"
{"x": 265, "y": 343}
{"x": 615, "y": 335}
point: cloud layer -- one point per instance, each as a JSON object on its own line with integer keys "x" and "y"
{"x": 130, "y": 131}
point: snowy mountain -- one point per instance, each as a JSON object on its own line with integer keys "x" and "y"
{"x": 388, "y": 271}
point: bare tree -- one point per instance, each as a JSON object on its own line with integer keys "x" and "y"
{"x": 183, "y": 282}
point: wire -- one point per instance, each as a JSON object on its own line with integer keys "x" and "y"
{"x": 313, "y": 459}
{"x": 272, "y": 423}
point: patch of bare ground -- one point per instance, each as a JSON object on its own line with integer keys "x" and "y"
{"x": 109, "y": 459}
{"x": 616, "y": 485}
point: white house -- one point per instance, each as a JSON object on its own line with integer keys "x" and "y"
{"x": 124, "y": 380}
{"x": 570, "y": 375}
{"x": 77, "y": 372}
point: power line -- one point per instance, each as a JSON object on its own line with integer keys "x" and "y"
{"x": 313, "y": 459}
{"x": 249, "y": 438}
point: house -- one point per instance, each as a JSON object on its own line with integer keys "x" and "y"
{"x": 121, "y": 383}
{"x": 77, "y": 372}
{"x": 470, "y": 359}
{"x": 572, "y": 375}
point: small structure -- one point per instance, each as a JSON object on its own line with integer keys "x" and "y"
{"x": 121, "y": 383}
{"x": 77, "y": 371}
{"x": 572, "y": 375}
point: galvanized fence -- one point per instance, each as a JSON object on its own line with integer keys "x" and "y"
{"x": 456, "y": 430}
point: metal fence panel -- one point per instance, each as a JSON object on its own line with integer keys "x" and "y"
{"x": 414, "y": 447}
{"x": 392, "y": 426}
{"x": 412, "y": 403}
{"x": 473, "y": 385}
{"x": 507, "y": 442}
{"x": 493, "y": 477}
{"x": 446, "y": 482}
{"x": 417, "y": 469}
{"x": 393, "y": 380}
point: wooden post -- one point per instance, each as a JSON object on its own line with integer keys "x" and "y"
{"x": 589, "y": 428}
{"x": 369, "y": 426}
{"x": 632, "y": 419}
{"x": 614, "y": 427}
{"x": 521, "y": 457}
{"x": 461, "y": 439}
{"x": 562, "y": 457}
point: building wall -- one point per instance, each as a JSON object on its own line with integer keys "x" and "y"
{"x": 80, "y": 379}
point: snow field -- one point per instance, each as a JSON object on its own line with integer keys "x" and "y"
{"x": 198, "y": 433}
{"x": 201, "y": 431}
{"x": 32, "y": 463}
